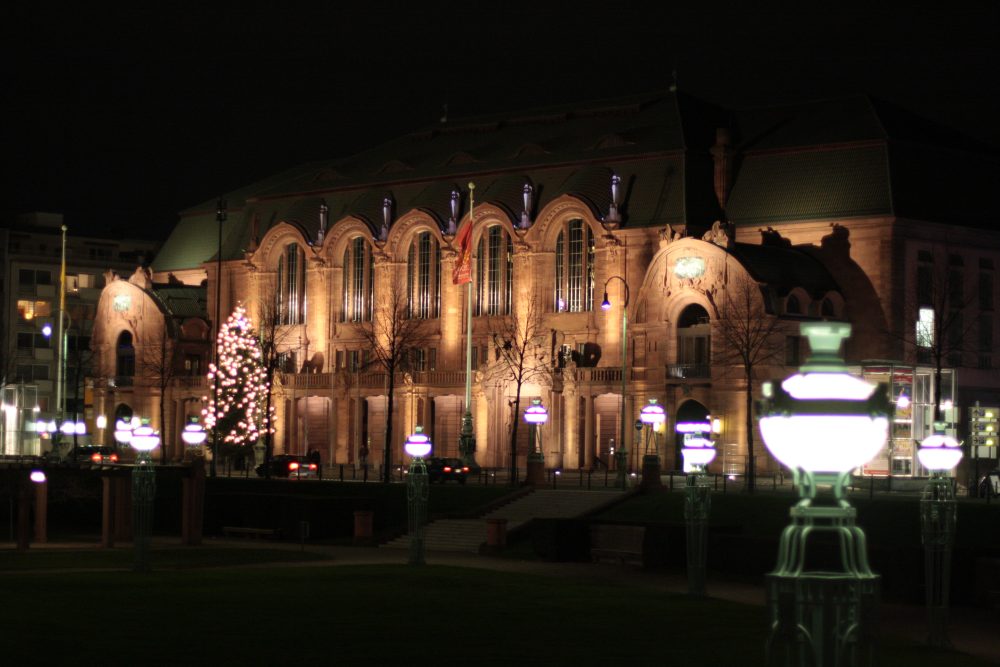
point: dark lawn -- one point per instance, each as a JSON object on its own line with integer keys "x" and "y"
{"x": 373, "y": 615}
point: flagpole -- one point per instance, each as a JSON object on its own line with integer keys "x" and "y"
{"x": 60, "y": 351}
{"x": 467, "y": 439}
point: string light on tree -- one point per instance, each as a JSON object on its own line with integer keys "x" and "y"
{"x": 240, "y": 413}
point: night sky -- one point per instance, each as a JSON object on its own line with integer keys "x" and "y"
{"x": 120, "y": 119}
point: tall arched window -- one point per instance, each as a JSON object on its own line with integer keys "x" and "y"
{"x": 125, "y": 355}
{"x": 494, "y": 272}
{"x": 292, "y": 285}
{"x": 574, "y": 288}
{"x": 357, "y": 289}
{"x": 423, "y": 277}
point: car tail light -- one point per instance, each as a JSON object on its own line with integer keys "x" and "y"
{"x": 96, "y": 458}
{"x": 114, "y": 458}
{"x": 465, "y": 468}
{"x": 312, "y": 466}
{"x": 447, "y": 468}
{"x": 293, "y": 465}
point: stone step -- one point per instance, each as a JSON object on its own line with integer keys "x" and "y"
{"x": 469, "y": 534}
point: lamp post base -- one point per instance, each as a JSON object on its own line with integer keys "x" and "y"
{"x": 937, "y": 528}
{"x": 416, "y": 501}
{"x": 822, "y": 619}
{"x": 143, "y": 492}
{"x": 536, "y": 469}
{"x": 621, "y": 469}
{"x": 467, "y": 442}
{"x": 651, "y": 472}
{"x": 697, "y": 505}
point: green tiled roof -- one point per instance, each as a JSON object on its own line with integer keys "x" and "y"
{"x": 183, "y": 301}
{"x": 835, "y": 183}
{"x": 784, "y": 268}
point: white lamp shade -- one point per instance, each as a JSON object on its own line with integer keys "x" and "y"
{"x": 698, "y": 456}
{"x": 194, "y": 434}
{"x": 653, "y": 414}
{"x": 37, "y": 476}
{"x": 939, "y": 453}
{"x": 80, "y": 428}
{"x": 418, "y": 445}
{"x": 102, "y": 421}
{"x": 824, "y": 443}
{"x": 144, "y": 439}
{"x": 123, "y": 431}
{"x": 536, "y": 414}
{"x": 68, "y": 428}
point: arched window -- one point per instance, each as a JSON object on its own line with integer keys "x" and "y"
{"x": 125, "y": 355}
{"x": 574, "y": 288}
{"x": 357, "y": 289}
{"x": 792, "y": 306}
{"x": 292, "y": 285}
{"x": 494, "y": 272}
{"x": 423, "y": 277}
{"x": 694, "y": 344}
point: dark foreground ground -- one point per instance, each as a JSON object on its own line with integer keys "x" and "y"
{"x": 253, "y": 604}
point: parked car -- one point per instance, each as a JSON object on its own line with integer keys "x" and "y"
{"x": 990, "y": 483}
{"x": 442, "y": 469}
{"x": 94, "y": 454}
{"x": 290, "y": 465}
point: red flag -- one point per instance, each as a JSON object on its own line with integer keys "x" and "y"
{"x": 462, "y": 273}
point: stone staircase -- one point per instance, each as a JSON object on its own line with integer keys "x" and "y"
{"x": 468, "y": 534}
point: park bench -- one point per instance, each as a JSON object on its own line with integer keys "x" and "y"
{"x": 253, "y": 533}
{"x": 617, "y": 544}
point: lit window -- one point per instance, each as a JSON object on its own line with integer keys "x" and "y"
{"x": 574, "y": 288}
{"x": 292, "y": 285}
{"x": 494, "y": 272}
{"x": 925, "y": 328}
{"x": 423, "y": 277}
{"x": 358, "y": 281}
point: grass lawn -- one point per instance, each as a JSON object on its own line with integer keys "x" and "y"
{"x": 374, "y": 615}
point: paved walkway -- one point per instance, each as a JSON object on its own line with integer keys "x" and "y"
{"x": 974, "y": 631}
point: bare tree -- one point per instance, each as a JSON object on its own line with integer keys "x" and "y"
{"x": 751, "y": 338}
{"x": 273, "y": 338}
{"x": 521, "y": 343}
{"x": 393, "y": 337}
{"x": 159, "y": 365}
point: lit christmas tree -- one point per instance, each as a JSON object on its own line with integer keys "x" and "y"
{"x": 242, "y": 418}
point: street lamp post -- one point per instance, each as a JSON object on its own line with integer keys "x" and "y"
{"x": 938, "y": 453}
{"x": 536, "y": 415}
{"x": 144, "y": 440}
{"x": 418, "y": 445}
{"x": 698, "y": 452}
{"x": 823, "y": 423}
{"x": 620, "y": 455}
{"x": 652, "y": 417}
{"x": 220, "y": 218}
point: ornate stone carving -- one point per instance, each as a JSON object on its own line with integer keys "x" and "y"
{"x": 720, "y": 234}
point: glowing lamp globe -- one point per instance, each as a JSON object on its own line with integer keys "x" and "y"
{"x": 697, "y": 452}
{"x": 101, "y": 422}
{"x": 68, "y": 428}
{"x": 418, "y": 445}
{"x": 652, "y": 414}
{"x": 823, "y": 419}
{"x": 194, "y": 434}
{"x": 37, "y": 476}
{"x": 939, "y": 453}
{"x": 145, "y": 439}
{"x": 123, "y": 431}
{"x": 605, "y": 305}
{"x": 536, "y": 413}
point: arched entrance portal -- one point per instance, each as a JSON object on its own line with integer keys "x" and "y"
{"x": 692, "y": 420}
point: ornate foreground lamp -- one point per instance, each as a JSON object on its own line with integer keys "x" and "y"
{"x": 939, "y": 453}
{"x": 536, "y": 415}
{"x": 823, "y": 423}
{"x": 144, "y": 440}
{"x": 652, "y": 416}
{"x": 698, "y": 451}
{"x": 417, "y": 446}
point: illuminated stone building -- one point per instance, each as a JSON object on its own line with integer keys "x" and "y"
{"x": 840, "y": 209}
